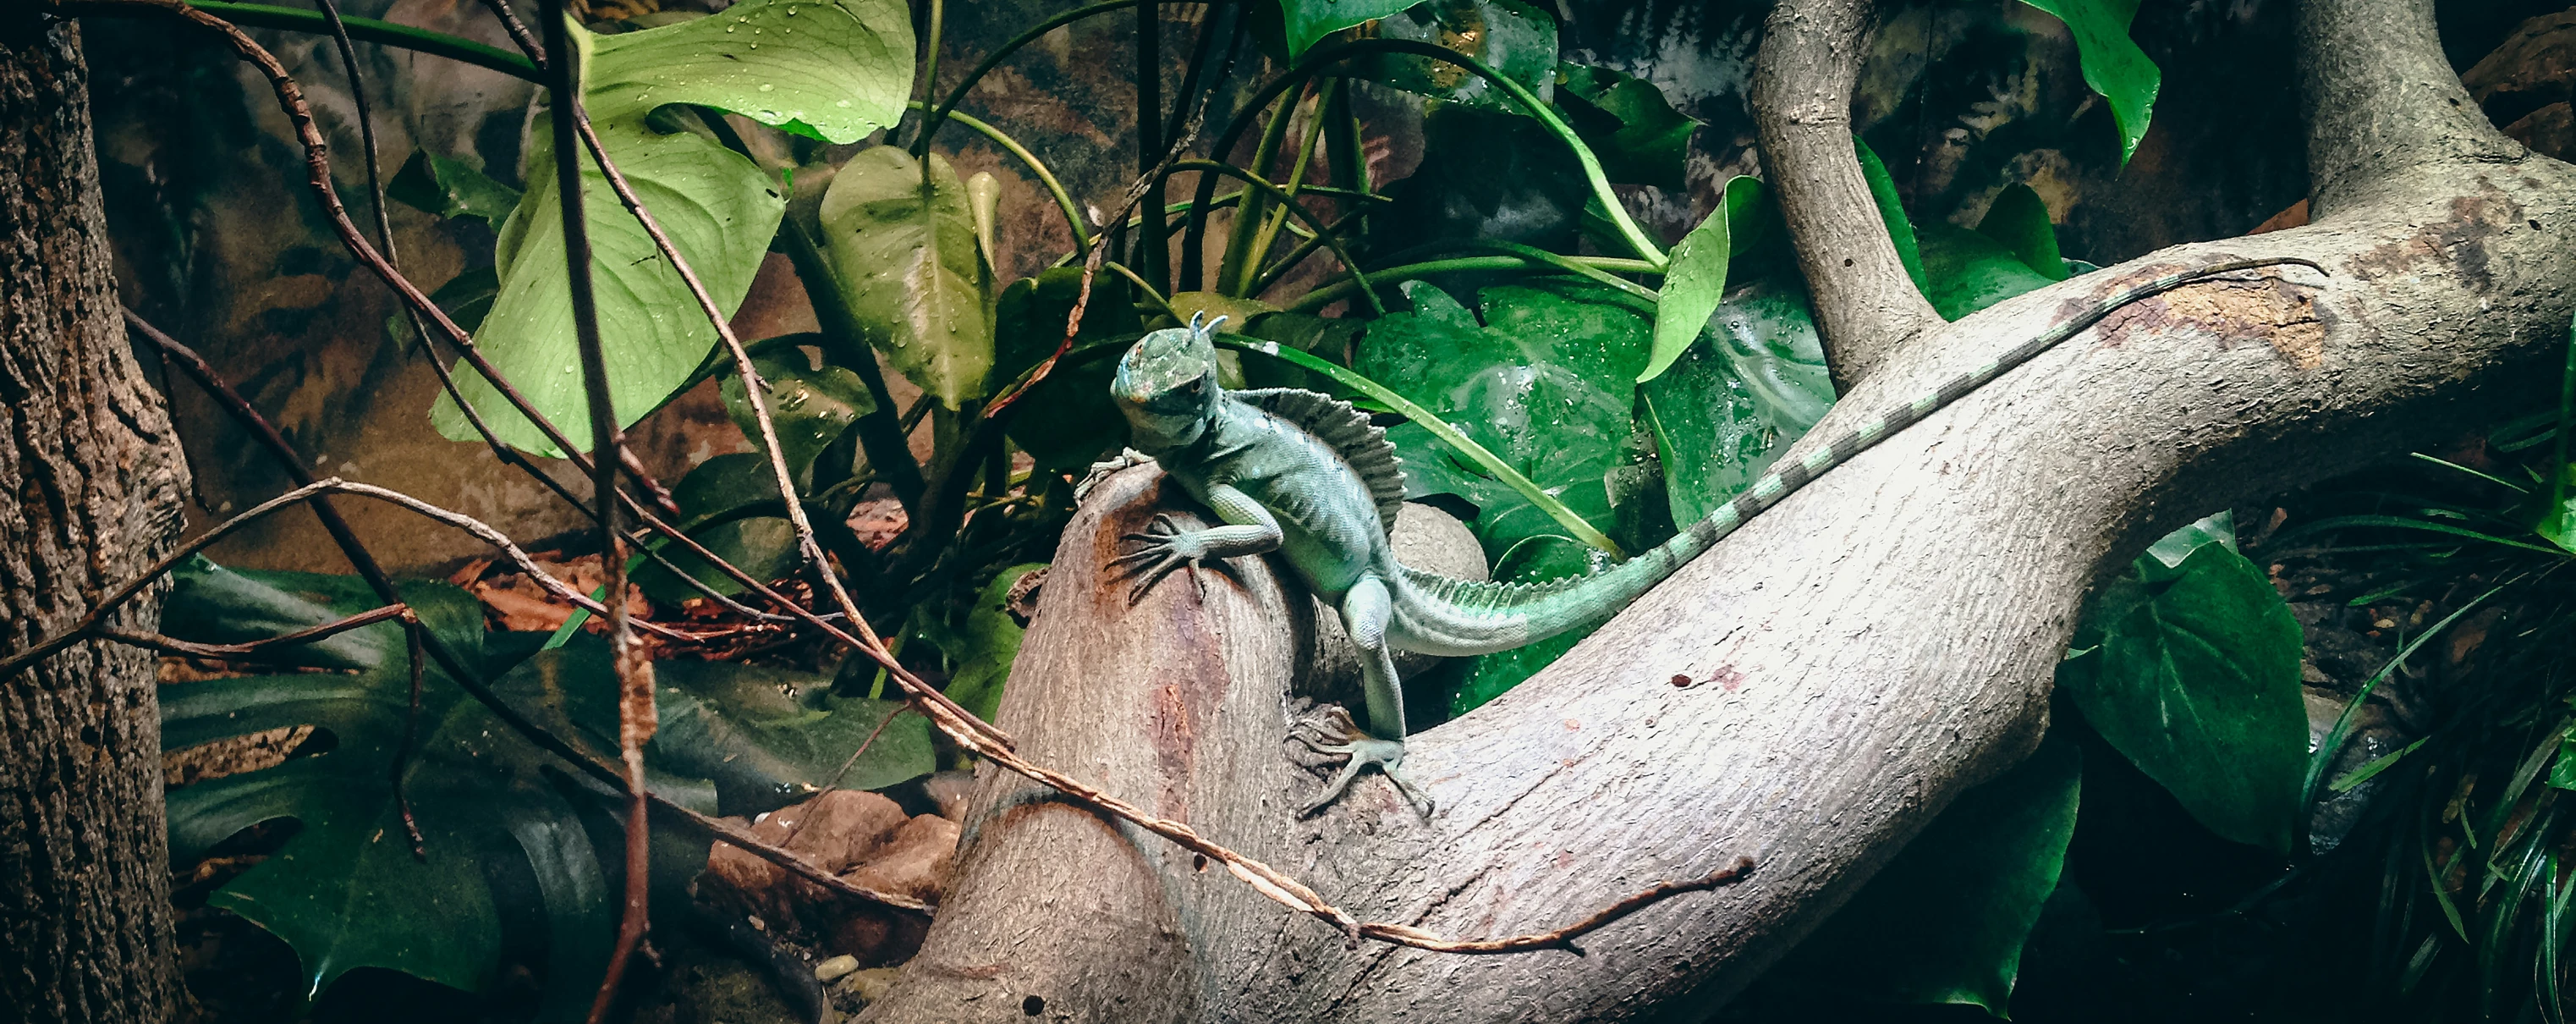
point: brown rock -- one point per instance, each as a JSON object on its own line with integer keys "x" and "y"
{"x": 2535, "y": 67}
{"x": 915, "y": 862}
{"x": 2549, "y": 131}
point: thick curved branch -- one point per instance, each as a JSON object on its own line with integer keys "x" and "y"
{"x": 2382, "y": 103}
{"x": 1809, "y": 694}
{"x": 1802, "y": 96}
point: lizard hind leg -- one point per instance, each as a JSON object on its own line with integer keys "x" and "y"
{"x": 1365, "y": 611}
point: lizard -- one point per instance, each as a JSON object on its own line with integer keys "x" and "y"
{"x": 1302, "y": 474}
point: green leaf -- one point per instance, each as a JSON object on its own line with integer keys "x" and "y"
{"x": 2562, "y": 772}
{"x": 1945, "y": 921}
{"x": 809, "y": 407}
{"x": 2113, "y": 64}
{"x": 1969, "y": 271}
{"x": 1067, "y": 420}
{"x": 1753, "y": 224}
{"x": 763, "y": 547}
{"x": 1891, "y": 212}
{"x": 1547, "y": 384}
{"x": 345, "y": 891}
{"x": 1736, "y": 397}
{"x": 2019, "y": 220}
{"x": 982, "y": 649}
{"x": 1638, "y": 136}
{"x": 1768, "y": 336}
{"x": 1693, "y": 287}
{"x": 724, "y": 485}
{"x": 2195, "y": 677}
{"x": 1515, "y": 39}
{"x": 837, "y": 69}
{"x": 1309, "y": 21}
{"x": 719, "y": 500}
{"x": 1536, "y": 559}
{"x": 766, "y": 737}
{"x": 451, "y": 188}
{"x": 2215, "y": 528}
{"x": 905, "y": 255}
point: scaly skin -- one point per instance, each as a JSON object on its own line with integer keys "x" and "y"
{"x": 1279, "y": 487}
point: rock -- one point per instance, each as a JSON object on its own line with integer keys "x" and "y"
{"x": 835, "y": 967}
{"x": 863, "y": 837}
{"x": 915, "y": 862}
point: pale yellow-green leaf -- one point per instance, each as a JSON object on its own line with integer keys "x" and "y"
{"x": 906, "y": 260}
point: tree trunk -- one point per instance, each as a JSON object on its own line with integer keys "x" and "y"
{"x": 1809, "y": 694}
{"x": 93, "y": 482}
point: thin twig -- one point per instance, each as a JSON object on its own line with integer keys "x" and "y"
{"x": 808, "y": 548}
{"x": 834, "y": 783}
{"x": 413, "y": 631}
{"x": 632, "y": 665}
{"x": 518, "y": 32}
{"x": 252, "y": 649}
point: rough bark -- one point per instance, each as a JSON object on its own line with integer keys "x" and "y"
{"x": 1853, "y": 659}
{"x": 93, "y": 485}
{"x": 1802, "y": 99}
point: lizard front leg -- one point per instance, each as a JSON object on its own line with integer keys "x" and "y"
{"x": 1365, "y": 611}
{"x": 1250, "y": 530}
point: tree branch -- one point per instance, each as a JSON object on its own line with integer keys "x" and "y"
{"x": 1844, "y": 672}
{"x": 1865, "y": 303}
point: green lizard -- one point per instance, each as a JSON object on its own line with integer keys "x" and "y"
{"x": 1302, "y": 474}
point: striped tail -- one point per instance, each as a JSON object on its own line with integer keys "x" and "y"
{"x": 1542, "y": 610}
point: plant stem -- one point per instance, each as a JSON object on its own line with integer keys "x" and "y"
{"x": 1250, "y": 267}
{"x": 931, "y": 123}
{"x": 1342, "y": 289}
{"x": 1368, "y": 294}
{"x": 1323, "y": 58}
{"x": 1151, "y": 247}
{"x": 1249, "y": 213}
{"x": 1046, "y": 177}
{"x": 387, "y": 33}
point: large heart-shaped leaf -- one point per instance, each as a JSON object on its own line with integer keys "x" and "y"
{"x": 346, "y": 892}
{"x": 1547, "y": 384}
{"x": 2193, "y": 672}
{"x": 2113, "y": 64}
{"x": 1753, "y": 383}
{"x": 832, "y": 69}
{"x": 903, "y": 250}
{"x": 1945, "y": 921}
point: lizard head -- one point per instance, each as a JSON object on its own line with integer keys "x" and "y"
{"x": 1166, "y": 385}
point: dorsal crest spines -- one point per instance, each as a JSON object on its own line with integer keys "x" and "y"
{"x": 1361, "y": 444}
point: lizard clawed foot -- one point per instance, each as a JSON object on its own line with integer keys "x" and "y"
{"x": 1333, "y": 733}
{"x": 1166, "y": 548}
{"x": 1102, "y": 470}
